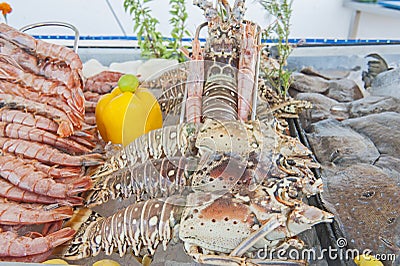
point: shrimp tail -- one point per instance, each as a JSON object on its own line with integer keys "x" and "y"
{"x": 82, "y": 185}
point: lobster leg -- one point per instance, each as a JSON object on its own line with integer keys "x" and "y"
{"x": 221, "y": 260}
{"x": 234, "y": 257}
{"x": 267, "y": 228}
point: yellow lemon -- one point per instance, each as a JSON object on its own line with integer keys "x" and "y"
{"x": 106, "y": 262}
{"x": 128, "y": 82}
{"x": 367, "y": 260}
{"x": 56, "y": 261}
{"x": 125, "y": 114}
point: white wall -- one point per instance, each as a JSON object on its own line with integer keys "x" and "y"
{"x": 310, "y": 19}
{"x": 329, "y": 19}
{"x": 320, "y": 19}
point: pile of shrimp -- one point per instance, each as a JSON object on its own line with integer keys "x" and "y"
{"x": 46, "y": 145}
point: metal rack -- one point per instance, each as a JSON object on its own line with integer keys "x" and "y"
{"x": 328, "y": 233}
{"x": 56, "y": 24}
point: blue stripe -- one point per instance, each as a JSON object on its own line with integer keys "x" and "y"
{"x": 292, "y": 41}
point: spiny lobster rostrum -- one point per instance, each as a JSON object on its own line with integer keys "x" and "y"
{"x": 226, "y": 180}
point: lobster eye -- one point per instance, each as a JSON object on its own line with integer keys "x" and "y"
{"x": 228, "y": 71}
{"x": 214, "y": 70}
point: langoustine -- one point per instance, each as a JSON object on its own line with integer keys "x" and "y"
{"x": 45, "y": 73}
{"x": 41, "y": 122}
{"x": 27, "y": 177}
{"x": 56, "y": 171}
{"x": 41, "y": 96}
{"x": 30, "y": 62}
{"x": 15, "y": 246}
{"x": 95, "y": 87}
{"x": 10, "y": 70}
{"x": 41, "y": 48}
{"x": 28, "y": 119}
{"x": 47, "y": 154}
{"x": 54, "y": 101}
{"x": 33, "y": 247}
{"x": 102, "y": 82}
{"x": 65, "y": 126}
{"x": 26, "y": 60}
{"x": 247, "y": 74}
{"x": 13, "y": 213}
{"x": 18, "y": 131}
{"x": 12, "y": 192}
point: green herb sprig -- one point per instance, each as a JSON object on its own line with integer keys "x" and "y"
{"x": 151, "y": 42}
{"x": 278, "y": 32}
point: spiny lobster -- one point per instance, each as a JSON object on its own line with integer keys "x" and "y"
{"x": 226, "y": 180}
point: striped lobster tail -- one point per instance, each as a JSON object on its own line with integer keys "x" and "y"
{"x": 141, "y": 226}
{"x": 155, "y": 178}
{"x": 220, "y": 94}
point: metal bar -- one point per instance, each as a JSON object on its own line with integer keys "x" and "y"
{"x": 116, "y": 17}
{"x": 299, "y": 42}
{"x": 354, "y": 23}
{"x": 58, "y": 24}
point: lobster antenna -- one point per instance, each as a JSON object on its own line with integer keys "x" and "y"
{"x": 255, "y": 88}
{"x": 227, "y": 7}
{"x": 239, "y": 10}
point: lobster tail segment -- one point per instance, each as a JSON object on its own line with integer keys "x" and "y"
{"x": 80, "y": 222}
{"x": 141, "y": 226}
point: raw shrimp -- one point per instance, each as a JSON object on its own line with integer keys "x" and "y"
{"x": 55, "y": 101}
{"x": 18, "y": 131}
{"x": 11, "y": 70}
{"x": 12, "y": 192}
{"x": 47, "y": 154}
{"x": 15, "y": 213}
{"x": 103, "y": 82}
{"x": 65, "y": 126}
{"x": 27, "y": 177}
{"x": 14, "y": 245}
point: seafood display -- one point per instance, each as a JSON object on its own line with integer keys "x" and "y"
{"x": 223, "y": 176}
{"x": 46, "y": 147}
{"x": 226, "y": 180}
